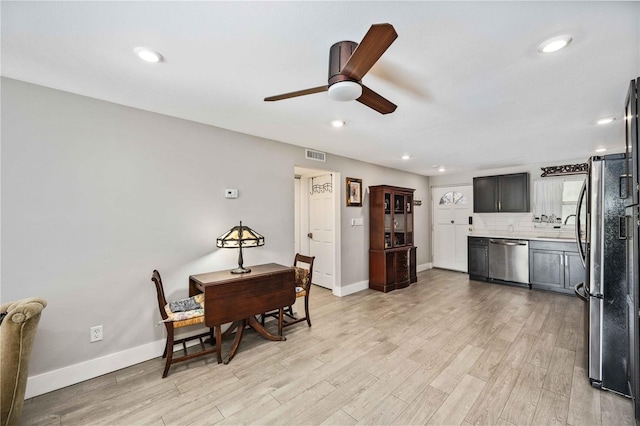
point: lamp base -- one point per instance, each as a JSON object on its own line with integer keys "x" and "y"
{"x": 240, "y": 270}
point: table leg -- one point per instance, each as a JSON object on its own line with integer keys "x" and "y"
{"x": 219, "y": 343}
{"x": 236, "y": 342}
{"x": 261, "y": 330}
{"x": 212, "y": 340}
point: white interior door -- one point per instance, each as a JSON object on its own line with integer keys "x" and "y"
{"x": 321, "y": 229}
{"x": 452, "y": 207}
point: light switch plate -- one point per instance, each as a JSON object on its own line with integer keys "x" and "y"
{"x": 231, "y": 193}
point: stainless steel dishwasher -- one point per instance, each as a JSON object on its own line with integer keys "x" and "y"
{"x": 509, "y": 260}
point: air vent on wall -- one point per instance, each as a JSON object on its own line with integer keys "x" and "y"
{"x": 315, "y": 155}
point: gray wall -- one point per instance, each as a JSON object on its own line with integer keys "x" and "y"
{"x": 96, "y": 195}
{"x": 355, "y": 260}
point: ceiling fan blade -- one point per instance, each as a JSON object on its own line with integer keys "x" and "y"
{"x": 375, "y": 101}
{"x": 298, "y": 93}
{"x": 373, "y": 45}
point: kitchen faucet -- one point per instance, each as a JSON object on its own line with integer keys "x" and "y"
{"x": 567, "y": 219}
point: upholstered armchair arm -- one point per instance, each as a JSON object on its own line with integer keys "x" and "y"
{"x": 22, "y": 310}
{"x": 17, "y": 333}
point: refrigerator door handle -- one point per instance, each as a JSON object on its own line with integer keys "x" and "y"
{"x": 622, "y": 227}
{"x": 583, "y": 257}
{"x": 579, "y": 293}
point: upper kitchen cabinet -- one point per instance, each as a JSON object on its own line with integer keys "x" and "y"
{"x": 502, "y": 193}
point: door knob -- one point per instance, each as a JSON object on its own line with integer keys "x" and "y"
{"x": 310, "y": 235}
{"x": 452, "y": 221}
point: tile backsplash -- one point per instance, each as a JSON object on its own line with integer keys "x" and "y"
{"x": 518, "y": 224}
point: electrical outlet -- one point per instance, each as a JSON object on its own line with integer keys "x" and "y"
{"x": 96, "y": 333}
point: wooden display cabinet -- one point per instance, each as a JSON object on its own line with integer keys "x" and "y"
{"x": 392, "y": 255}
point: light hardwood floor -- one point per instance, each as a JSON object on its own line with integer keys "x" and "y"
{"x": 445, "y": 351}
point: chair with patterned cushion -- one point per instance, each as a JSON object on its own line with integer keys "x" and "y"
{"x": 303, "y": 268}
{"x": 178, "y": 314}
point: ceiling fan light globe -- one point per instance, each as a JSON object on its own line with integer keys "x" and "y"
{"x": 345, "y": 91}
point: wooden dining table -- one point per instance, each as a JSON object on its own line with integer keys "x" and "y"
{"x": 238, "y": 298}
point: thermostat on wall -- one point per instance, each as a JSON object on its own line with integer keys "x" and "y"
{"x": 231, "y": 193}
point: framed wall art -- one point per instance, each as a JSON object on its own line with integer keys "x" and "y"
{"x": 354, "y": 192}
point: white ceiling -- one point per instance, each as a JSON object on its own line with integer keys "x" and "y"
{"x": 471, "y": 89}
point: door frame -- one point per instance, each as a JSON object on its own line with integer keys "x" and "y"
{"x": 301, "y": 213}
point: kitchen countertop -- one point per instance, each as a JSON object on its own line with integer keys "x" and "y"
{"x": 517, "y": 236}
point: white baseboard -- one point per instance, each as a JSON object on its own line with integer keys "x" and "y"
{"x": 67, "y": 376}
{"x": 424, "y": 267}
{"x": 363, "y": 285}
{"x": 58, "y": 379}
{"x": 351, "y": 288}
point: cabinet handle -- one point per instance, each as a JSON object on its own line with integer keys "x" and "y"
{"x": 499, "y": 205}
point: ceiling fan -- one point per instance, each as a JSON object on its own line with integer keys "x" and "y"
{"x": 348, "y": 63}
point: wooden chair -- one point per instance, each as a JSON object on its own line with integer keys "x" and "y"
{"x": 179, "y": 320}
{"x": 303, "y": 276}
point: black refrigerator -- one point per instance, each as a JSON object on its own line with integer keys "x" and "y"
{"x": 605, "y": 287}
{"x": 632, "y": 215}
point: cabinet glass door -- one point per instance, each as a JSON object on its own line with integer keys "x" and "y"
{"x": 388, "y": 218}
{"x": 409, "y": 213}
{"x": 399, "y": 205}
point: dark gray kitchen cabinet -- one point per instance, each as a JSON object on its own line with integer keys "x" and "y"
{"x": 554, "y": 265}
{"x": 478, "y": 257}
{"x": 514, "y": 192}
{"x": 546, "y": 268}
{"x": 485, "y": 194}
{"x": 574, "y": 271}
{"x": 501, "y": 193}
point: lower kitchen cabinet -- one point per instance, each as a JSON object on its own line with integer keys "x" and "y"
{"x": 555, "y": 265}
{"x": 575, "y": 271}
{"x": 478, "y": 257}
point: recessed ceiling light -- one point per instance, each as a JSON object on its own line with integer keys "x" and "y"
{"x": 406, "y": 157}
{"x": 338, "y": 123}
{"x": 147, "y": 54}
{"x": 601, "y": 149}
{"x": 605, "y": 120}
{"x": 441, "y": 169}
{"x": 554, "y": 44}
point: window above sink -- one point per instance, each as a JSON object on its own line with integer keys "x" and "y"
{"x": 555, "y": 199}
